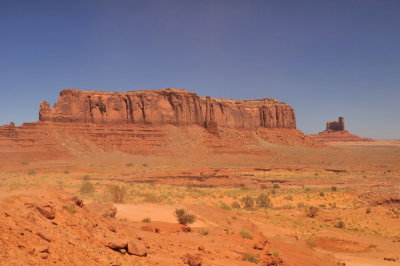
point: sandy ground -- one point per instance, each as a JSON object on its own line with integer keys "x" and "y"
{"x": 337, "y": 179}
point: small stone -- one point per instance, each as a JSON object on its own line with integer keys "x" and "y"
{"x": 137, "y": 248}
{"x": 47, "y": 212}
{"x": 44, "y": 236}
{"x": 192, "y": 260}
{"x": 117, "y": 244}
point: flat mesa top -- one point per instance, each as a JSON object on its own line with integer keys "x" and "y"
{"x": 161, "y": 91}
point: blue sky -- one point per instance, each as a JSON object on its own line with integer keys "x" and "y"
{"x": 325, "y": 58}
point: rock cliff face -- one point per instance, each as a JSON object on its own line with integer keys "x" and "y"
{"x": 167, "y": 106}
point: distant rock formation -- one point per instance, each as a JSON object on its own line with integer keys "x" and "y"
{"x": 336, "y": 125}
{"x": 157, "y": 122}
{"x": 167, "y": 106}
{"x": 335, "y": 132}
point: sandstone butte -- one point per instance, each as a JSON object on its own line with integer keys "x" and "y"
{"x": 335, "y": 132}
{"x": 171, "y": 121}
{"x": 167, "y": 106}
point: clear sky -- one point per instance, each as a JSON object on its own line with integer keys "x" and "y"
{"x": 325, "y": 58}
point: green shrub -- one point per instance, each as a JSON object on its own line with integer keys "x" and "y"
{"x": 254, "y": 258}
{"x": 69, "y": 208}
{"x": 146, "y": 220}
{"x": 87, "y": 187}
{"x": 312, "y": 211}
{"x": 290, "y": 197}
{"x": 183, "y": 217}
{"x": 263, "y": 187}
{"x": 340, "y": 224}
{"x": 246, "y": 234}
{"x": 275, "y": 253}
{"x": 235, "y": 205}
{"x": 263, "y": 201}
{"x": 276, "y": 185}
{"x": 224, "y": 206}
{"x": 116, "y": 193}
{"x": 248, "y": 202}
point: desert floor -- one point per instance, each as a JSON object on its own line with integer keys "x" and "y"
{"x": 354, "y": 187}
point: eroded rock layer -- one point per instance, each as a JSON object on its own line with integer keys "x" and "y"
{"x": 167, "y": 106}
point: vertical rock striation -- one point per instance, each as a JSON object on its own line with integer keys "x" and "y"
{"x": 167, "y": 106}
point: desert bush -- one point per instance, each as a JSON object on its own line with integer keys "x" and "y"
{"x": 246, "y": 234}
{"x": 248, "y": 202}
{"x": 235, "y": 205}
{"x": 333, "y": 188}
{"x": 300, "y": 205}
{"x": 254, "y": 258}
{"x": 87, "y": 187}
{"x": 340, "y": 224}
{"x": 86, "y": 177}
{"x": 290, "y": 197}
{"x": 146, "y": 220}
{"x": 183, "y": 217}
{"x": 204, "y": 232}
{"x": 263, "y": 187}
{"x": 66, "y": 172}
{"x": 145, "y": 165}
{"x": 152, "y": 198}
{"x": 129, "y": 165}
{"x": 24, "y": 163}
{"x": 368, "y": 210}
{"x": 332, "y": 205}
{"x": 275, "y": 253}
{"x": 224, "y": 206}
{"x": 312, "y": 211}
{"x": 32, "y": 172}
{"x": 276, "y": 185}
{"x": 116, "y": 193}
{"x": 322, "y": 194}
{"x": 263, "y": 201}
{"x": 69, "y": 208}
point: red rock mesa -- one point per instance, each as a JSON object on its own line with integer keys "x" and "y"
{"x": 168, "y": 121}
{"x": 167, "y": 106}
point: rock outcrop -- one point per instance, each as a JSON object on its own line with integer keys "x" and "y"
{"x": 167, "y": 106}
{"x": 335, "y": 132}
{"x": 336, "y": 125}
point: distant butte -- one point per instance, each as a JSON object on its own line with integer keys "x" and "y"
{"x": 335, "y": 132}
